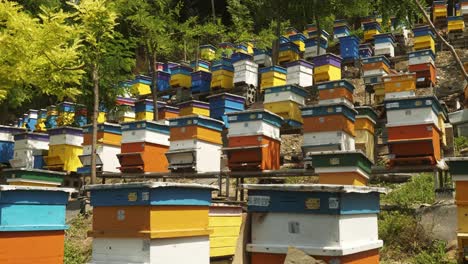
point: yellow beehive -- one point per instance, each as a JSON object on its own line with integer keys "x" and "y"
{"x": 462, "y": 212}
{"x": 365, "y": 142}
{"x": 424, "y": 42}
{"x": 144, "y": 116}
{"x": 225, "y": 221}
{"x": 64, "y": 157}
{"x": 369, "y": 34}
{"x": 439, "y": 12}
{"x": 288, "y": 56}
{"x": 327, "y": 73}
{"x": 456, "y": 25}
{"x": 399, "y": 83}
{"x": 289, "y": 110}
{"x": 141, "y": 89}
{"x": 207, "y": 52}
{"x": 194, "y": 108}
{"x": 222, "y": 79}
{"x": 181, "y": 80}
{"x": 102, "y": 117}
{"x": 379, "y": 93}
{"x": 272, "y": 76}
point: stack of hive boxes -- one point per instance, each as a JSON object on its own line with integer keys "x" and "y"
{"x": 300, "y": 73}
{"x": 365, "y": 51}
{"x": 223, "y": 103}
{"x": 33, "y": 224}
{"x": 263, "y": 57}
{"x": 207, "y": 52}
{"x": 335, "y": 224}
{"x": 150, "y": 223}
{"x": 384, "y": 44}
{"x": 370, "y": 30}
{"x": 464, "y": 9}
{"x": 288, "y": 51}
{"x": 168, "y": 112}
{"x": 299, "y": 39}
{"x": 459, "y": 171}
{"x": 33, "y": 177}
{"x": 253, "y": 140}
{"x": 144, "y": 109}
{"x": 340, "y": 29}
{"x": 201, "y": 77}
{"x": 109, "y": 137}
{"x": 31, "y": 119}
{"x": 143, "y": 147}
{"x": 315, "y": 47}
{"x": 366, "y": 121}
{"x": 222, "y": 74}
{"x": 424, "y": 38}
{"x": 329, "y": 137}
{"x": 126, "y": 110}
{"x": 272, "y": 76}
{"x": 28, "y": 147}
{"x": 195, "y": 144}
{"x": 66, "y": 114}
{"x": 439, "y": 12}
{"x": 7, "y": 142}
{"x": 225, "y": 220}
{"x": 52, "y": 115}
{"x": 455, "y": 24}
{"x": 141, "y": 85}
{"x": 181, "y": 77}
{"x": 65, "y": 147}
{"x": 245, "y": 47}
{"x": 349, "y": 48}
{"x": 81, "y": 115}
{"x": 415, "y": 124}
{"x": 245, "y": 69}
{"x": 194, "y": 107}
{"x": 373, "y": 69}
{"x": 422, "y": 62}
{"x": 327, "y": 67}
{"x": 286, "y": 101}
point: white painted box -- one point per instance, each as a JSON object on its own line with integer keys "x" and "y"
{"x": 197, "y": 155}
{"x": 327, "y": 141}
{"x": 254, "y": 127}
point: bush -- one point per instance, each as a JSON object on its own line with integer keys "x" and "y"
{"x": 460, "y": 143}
{"x": 419, "y": 190}
{"x": 77, "y": 245}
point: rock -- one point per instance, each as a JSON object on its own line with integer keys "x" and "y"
{"x": 296, "y": 256}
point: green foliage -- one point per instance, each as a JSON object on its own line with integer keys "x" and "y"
{"x": 419, "y": 190}
{"x": 460, "y": 144}
{"x": 436, "y": 254}
{"x": 77, "y": 244}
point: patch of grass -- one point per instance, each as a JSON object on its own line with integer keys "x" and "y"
{"x": 77, "y": 244}
{"x": 460, "y": 143}
{"x": 419, "y": 190}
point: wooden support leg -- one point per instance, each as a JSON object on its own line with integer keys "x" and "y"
{"x": 227, "y": 186}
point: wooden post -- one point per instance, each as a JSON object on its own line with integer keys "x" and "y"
{"x": 227, "y": 185}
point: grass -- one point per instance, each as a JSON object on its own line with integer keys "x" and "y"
{"x": 77, "y": 244}
{"x": 419, "y": 190}
{"x": 460, "y": 143}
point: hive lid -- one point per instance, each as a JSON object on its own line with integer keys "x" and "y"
{"x": 12, "y": 170}
{"x": 150, "y": 185}
{"x": 4, "y": 188}
{"x": 315, "y": 188}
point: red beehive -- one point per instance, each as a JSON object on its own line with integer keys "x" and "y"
{"x": 425, "y": 74}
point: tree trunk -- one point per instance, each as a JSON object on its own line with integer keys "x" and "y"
{"x": 450, "y": 47}
{"x": 95, "y": 122}
{"x": 318, "y": 35}
{"x": 276, "y": 43}
{"x": 154, "y": 83}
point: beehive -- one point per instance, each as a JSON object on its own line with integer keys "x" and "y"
{"x": 349, "y": 47}
{"x": 102, "y": 114}
{"x": 425, "y": 74}
{"x": 314, "y": 47}
{"x": 439, "y": 10}
{"x": 223, "y": 103}
{"x": 181, "y": 77}
{"x": 26, "y": 145}
{"x": 168, "y": 112}
{"x": 464, "y": 8}
{"x": 195, "y": 144}
{"x": 263, "y": 57}
{"x": 200, "y": 65}
{"x": 334, "y": 223}
{"x": 370, "y": 30}
{"x": 65, "y": 147}
{"x": 327, "y": 67}
{"x": 194, "y": 107}
{"x": 208, "y": 52}
{"x": 201, "y": 82}
{"x": 225, "y": 220}
{"x": 374, "y": 68}
{"x": 144, "y": 109}
{"x": 253, "y": 140}
{"x": 421, "y": 57}
{"x": 340, "y": 29}
{"x": 245, "y": 71}
{"x": 399, "y": 83}
{"x": 109, "y": 137}
{"x": 81, "y": 115}
{"x": 7, "y": 142}
{"x": 286, "y": 101}
{"x": 455, "y": 24}
{"x": 226, "y": 48}
{"x": 33, "y": 177}
{"x": 313, "y": 33}
{"x": 143, "y": 147}
{"x": 328, "y": 118}
{"x": 66, "y": 114}
{"x": 33, "y": 218}
{"x": 222, "y": 74}
{"x": 300, "y": 73}
{"x": 52, "y": 115}
{"x": 365, "y": 130}
{"x": 126, "y": 110}
{"x": 298, "y": 39}
{"x": 141, "y": 85}
{"x": 32, "y": 116}
{"x": 384, "y": 44}
{"x": 288, "y": 52}
{"x": 272, "y": 76}
{"x": 365, "y": 51}
{"x": 423, "y": 38}
{"x": 170, "y": 219}
{"x": 335, "y": 91}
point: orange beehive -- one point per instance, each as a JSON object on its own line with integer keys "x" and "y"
{"x": 43, "y": 247}
{"x": 380, "y": 65}
{"x": 195, "y": 132}
{"x": 103, "y": 138}
{"x": 365, "y": 123}
{"x": 167, "y": 112}
{"x": 253, "y": 153}
{"x": 365, "y": 257}
{"x": 343, "y": 178}
{"x": 425, "y": 74}
{"x": 143, "y": 157}
{"x": 461, "y": 192}
{"x": 399, "y": 82}
{"x": 329, "y": 123}
{"x": 336, "y": 90}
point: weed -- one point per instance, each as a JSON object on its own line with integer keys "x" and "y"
{"x": 419, "y": 190}
{"x": 77, "y": 245}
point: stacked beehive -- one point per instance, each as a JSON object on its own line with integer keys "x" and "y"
{"x": 207, "y": 52}
{"x": 65, "y": 147}
{"x": 272, "y": 76}
{"x": 102, "y": 114}
{"x": 415, "y": 124}
{"x": 286, "y": 101}
{"x": 464, "y": 9}
{"x": 245, "y": 47}
{"x": 144, "y": 109}
{"x": 181, "y": 77}
{"x": 455, "y": 24}
{"x": 141, "y": 85}
{"x": 315, "y": 47}
{"x": 66, "y": 114}
{"x": 439, "y": 11}
{"x": 125, "y": 111}
{"x": 300, "y": 73}
{"x": 373, "y": 69}
{"x": 365, "y": 51}
{"x": 366, "y": 121}
{"x": 263, "y": 57}
{"x": 33, "y": 177}
{"x": 195, "y": 144}
{"x": 370, "y": 30}
{"x": 299, "y": 39}
{"x": 340, "y": 29}
{"x": 245, "y": 69}
{"x": 52, "y": 115}
{"x": 168, "y": 112}
{"x": 32, "y": 224}
{"x": 459, "y": 171}
{"x": 201, "y": 77}
{"x": 384, "y": 44}
{"x": 150, "y": 223}
{"x": 424, "y": 38}
{"x": 143, "y": 146}
{"x": 225, "y": 220}
{"x": 194, "y": 107}
{"x": 422, "y": 62}
{"x": 327, "y": 67}
{"x": 336, "y": 224}
{"x": 253, "y": 140}
{"x": 7, "y": 142}
{"x": 81, "y": 115}
{"x": 288, "y": 51}
{"x": 349, "y": 48}
{"x": 222, "y": 74}
{"x": 223, "y": 103}
{"x": 109, "y": 137}
{"x": 27, "y": 148}
{"x": 31, "y": 119}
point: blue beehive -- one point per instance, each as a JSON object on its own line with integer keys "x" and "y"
{"x": 201, "y": 82}
{"x": 240, "y": 56}
{"x": 221, "y": 104}
{"x": 200, "y": 65}
{"x": 162, "y": 80}
{"x": 7, "y": 142}
{"x": 349, "y": 47}
{"x": 365, "y": 51}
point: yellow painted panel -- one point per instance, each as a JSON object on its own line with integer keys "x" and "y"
{"x": 365, "y": 141}
{"x": 369, "y": 34}
{"x": 181, "y": 80}
{"x": 65, "y": 155}
{"x": 222, "y": 81}
{"x": 102, "y": 117}
{"x": 194, "y": 111}
{"x": 220, "y": 221}
{"x": 223, "y": 241}
{"x": 462, "y": 211}
{"x": 141, "y": 89}
{"x": 273, "y": 74}
{"x": 19, "y": 183}
{"x": 65, "y": 119}
{"x": 287, "y": 56}
{"x": 343, "y": 178}
{"x": 207, "y": 54}
{"x": 301, "y": 45}
{"x": 286, "y": 109}
{"x": 222, "y": 73}
{"x": 222, "y": 251}
{"x": 456, "y": 26}
{"x": 225, "y": 231}
{"x": 327, "y": 73}
{"x": 144, "y": 116}
{"x": 126, "y": 119}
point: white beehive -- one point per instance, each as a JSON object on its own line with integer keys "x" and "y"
{"x": 196, "y": 154}
{"x": 327, "y": 141}
{"x": 384, "y": 49}
{"x": 300, "y": 73}
{"x": 26, "y": 144}
{"x": 246, "y": 71}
